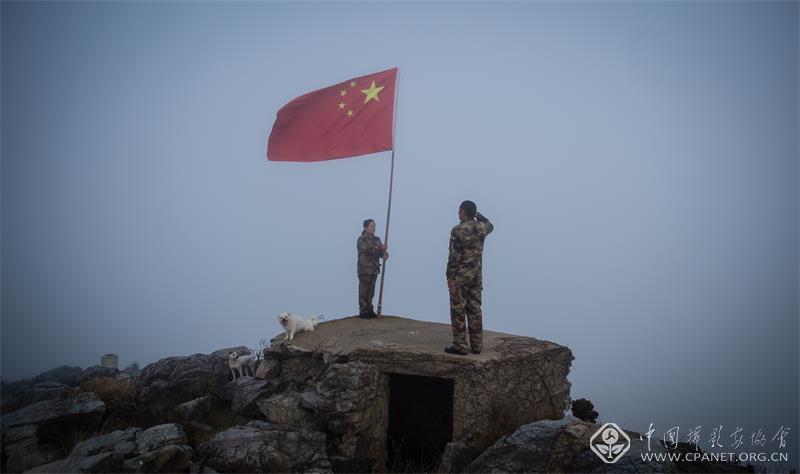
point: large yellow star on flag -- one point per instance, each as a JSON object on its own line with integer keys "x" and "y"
{"x": 372, "y": 92}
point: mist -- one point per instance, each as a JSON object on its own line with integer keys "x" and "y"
{"x": 639, "y": 162}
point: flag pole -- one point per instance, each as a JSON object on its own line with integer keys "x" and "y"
{"x": 386, "y": 234}
{"x": 391, "y": 181}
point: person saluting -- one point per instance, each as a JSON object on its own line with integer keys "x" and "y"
{"x": 465, "y": 278}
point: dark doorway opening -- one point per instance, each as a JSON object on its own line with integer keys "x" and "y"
{"x": 420, "y": 422}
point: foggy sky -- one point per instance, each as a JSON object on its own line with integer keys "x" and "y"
{"x": 639, "y": 163}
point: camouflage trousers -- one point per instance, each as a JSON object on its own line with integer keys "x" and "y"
{"x": 465, "y": 314}
{"x": 366, "y": 291}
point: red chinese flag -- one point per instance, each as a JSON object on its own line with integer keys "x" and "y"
{"x": 349, "y": 119}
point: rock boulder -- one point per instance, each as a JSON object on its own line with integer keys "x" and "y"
{"x": 161, "y": 448}
{"x": 174, "y": 380}
{"x": 260, "y": 446}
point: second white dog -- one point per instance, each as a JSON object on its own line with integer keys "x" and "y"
{"x": 239, "y": 363}
{"x": 293, "y": 324}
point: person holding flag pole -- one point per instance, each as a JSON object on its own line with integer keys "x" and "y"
{"x": 352, "y": 118}
{"x": 368, "y": 265}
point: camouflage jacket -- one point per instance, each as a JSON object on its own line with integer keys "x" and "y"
{"x": 369, "y": 253}
{"x": 464, "y": 265}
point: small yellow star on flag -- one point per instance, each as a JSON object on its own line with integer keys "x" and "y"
{"x": 353, "y": 83}
{"x": 350, "y": 113}
{"x": 372, "y": 92}
{"x": 343, "y": 93}
{"x": 341, "y": 105}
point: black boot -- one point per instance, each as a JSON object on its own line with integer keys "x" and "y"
{"x": 455, "y": 350}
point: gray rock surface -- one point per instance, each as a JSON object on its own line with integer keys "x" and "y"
{"x": 28, "y": 453}
{"x": 260, "y": 446}
{"x": 169, "y": 458}
{"x": 244, "y": 393}
{"x": 81, "y": 407}
{"x": 18, "y": 433}
{"x": 161, "y": 448}
{"x": 158, "y": 436}
{"x": 200, "y": 427}
{"x": 268, "y": 369}
{"x": 284, "y": 409}
{"x": 174, "y": 380}
{"x": 196, "y": 468}
{"x": 128, "y": 374}
{"x": 195, "y": 409}
{"x": 14, "y": 393}
{"x": 103, "y": 462}
{"x": 68, "y": 375}
{"x": 223, "y": 353}
{"x": 311, "y": 401}
{"x": 97, "y": 371}
{"x": 528, "y": 449}
{"x": 10, "y": 402}
{"x": 42, "y": 391}
{"x": 561, "y": 445}
{"x": 106, "y": 443}
{"x": 455, "y": 458}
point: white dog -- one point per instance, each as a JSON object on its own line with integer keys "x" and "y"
{"x": 238, "y": 363}
{"x": 293, "y": 324}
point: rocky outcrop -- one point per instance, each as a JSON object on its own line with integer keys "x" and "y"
{"x": 103, "y": 462}
{"x": 20, "y": 393}
{"x": 83, "y": 406}
{"x": 320, "y": 403}
{"x": 195, "y": 409}
{"x": 268, "y": 369}
{"x": 169, "y": 382}
{"x": 245, "y": 392}
{"x": 129, "y": 373}
{"x": 284, "y": 409}
{"x": 54, "y": 384}
{"x": 97, "y": 371}
{"x": 28, "y": 452}
{"x": 563, "y": 446}
{"x": 122, "y": 442}
{"x": 31, "y": 434}
{"x": 11, "y": 396}
{"x": 260, "y": 446}
{"x": 455, "y": 458}
{"x": 223, "y": 353}
{"x": 43, "y": 391}
{"x": 66, "y": 374}
{"x": 340, "y": 372}
{"x": 162, "y": 448}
